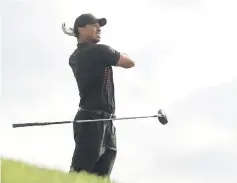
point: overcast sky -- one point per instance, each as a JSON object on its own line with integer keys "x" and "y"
{"x": 185, "y": 54}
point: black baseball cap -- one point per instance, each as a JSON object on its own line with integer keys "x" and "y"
{"x": 86, "y": 19}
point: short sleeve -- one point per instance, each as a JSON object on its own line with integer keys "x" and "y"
{"x": 109, "y": 55}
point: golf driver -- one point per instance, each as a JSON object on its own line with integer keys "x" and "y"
{"x": 162, "y": 118}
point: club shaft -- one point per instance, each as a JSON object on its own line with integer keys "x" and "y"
{"x": 123, "y": 118}
{"x": 17, "y": 125}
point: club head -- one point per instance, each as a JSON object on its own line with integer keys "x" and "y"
{"x": 162, "y": 117}
{"x": 67, "y": 30}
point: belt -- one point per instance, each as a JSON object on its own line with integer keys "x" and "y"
{"x": 99, "y": 113}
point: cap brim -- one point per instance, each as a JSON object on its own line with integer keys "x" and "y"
{"x": 102, "y": 21}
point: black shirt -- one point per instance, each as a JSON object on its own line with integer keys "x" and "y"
{"x": 92, "y": 68}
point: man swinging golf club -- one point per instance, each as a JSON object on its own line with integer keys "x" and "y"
{"x": 91, "y": 63}
{"x": 94, "y": 133}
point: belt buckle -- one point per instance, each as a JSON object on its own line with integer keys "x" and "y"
{"x": 110, "y": 116}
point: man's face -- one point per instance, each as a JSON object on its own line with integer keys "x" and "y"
{"x": 92, "y": 32}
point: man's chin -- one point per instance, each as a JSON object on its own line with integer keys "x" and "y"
{"x": 97, "y": 40}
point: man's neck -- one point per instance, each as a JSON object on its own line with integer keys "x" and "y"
{"x": 85, "y": 41}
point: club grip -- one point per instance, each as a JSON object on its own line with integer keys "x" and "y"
{"x": 17, "y": 125}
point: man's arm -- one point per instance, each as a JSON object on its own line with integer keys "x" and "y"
{"x": 125, "y": 62}
{"x": 114, "y": 58}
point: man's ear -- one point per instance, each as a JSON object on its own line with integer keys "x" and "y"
{"x": 80, "y": 30}
{"x": 78, "y": 34}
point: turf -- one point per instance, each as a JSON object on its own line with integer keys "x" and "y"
{"x": 19, "y": 172}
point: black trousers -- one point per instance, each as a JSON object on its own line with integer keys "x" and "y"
{"x": 95, "y": 145}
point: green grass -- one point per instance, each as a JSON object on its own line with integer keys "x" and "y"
{"x": 19, "y": 172}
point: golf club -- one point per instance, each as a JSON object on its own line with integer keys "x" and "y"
{"x": 160, "y": 115}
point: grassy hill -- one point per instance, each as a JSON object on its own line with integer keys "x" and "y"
{"x": 19, "y": 172}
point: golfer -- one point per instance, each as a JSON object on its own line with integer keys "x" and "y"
{"x": 95, "y": 143}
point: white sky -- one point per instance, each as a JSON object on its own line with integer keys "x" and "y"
{"x": 182, "y": 50}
